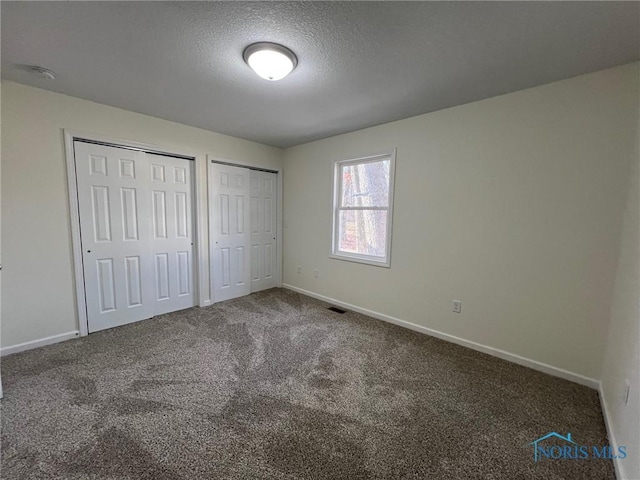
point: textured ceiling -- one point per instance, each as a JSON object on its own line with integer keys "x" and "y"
{"x": 360, "y": 64}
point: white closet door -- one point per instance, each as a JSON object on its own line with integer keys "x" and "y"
{"x": 137, "y": 229}
{"x": 171, "y": 243}
{"x": 263, "y": 230}
{"x": 115, "y": 226}
{"x": 229, "y": 227}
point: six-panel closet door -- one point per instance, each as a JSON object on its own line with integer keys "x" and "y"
{"x": 229, "y": 231}
{"x": 136, "y": 231}
{"x": 136, "y": 227}
{"x": 263, "y": 230}
{"x": 172, "y": 233}
{"x": 243, "y": 230}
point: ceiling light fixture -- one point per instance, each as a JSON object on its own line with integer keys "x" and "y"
{"x": 271, "y": 61}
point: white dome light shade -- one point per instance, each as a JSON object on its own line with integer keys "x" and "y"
{"x": 270, "y": 60}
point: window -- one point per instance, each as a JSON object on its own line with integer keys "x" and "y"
{"x": 362, "y": 208}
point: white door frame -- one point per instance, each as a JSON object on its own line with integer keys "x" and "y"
{"x": 279, "y": 210}
{"x": 200, "y": 214}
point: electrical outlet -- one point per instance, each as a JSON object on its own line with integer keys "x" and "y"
{"x": 456, "y": 306}
{"x": 299, "y": 269}
{"x": 627, "y": 390}
{"x": 316, "y": 273}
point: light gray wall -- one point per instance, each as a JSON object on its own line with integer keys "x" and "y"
{"x": 512, "y": 205}
{"x": 38, "y": 296}
{"x": 622, "y": 354}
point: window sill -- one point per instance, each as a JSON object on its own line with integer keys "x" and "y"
{"x": 361, "y": 259}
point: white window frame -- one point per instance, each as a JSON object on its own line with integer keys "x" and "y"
{"x": 337, "y": 195}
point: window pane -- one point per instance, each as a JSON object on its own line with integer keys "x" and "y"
{"x": 363, "y": 232}
{"x": 365, "y": 184}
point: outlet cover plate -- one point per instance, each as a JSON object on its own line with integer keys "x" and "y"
{"x": 456, "y": 306}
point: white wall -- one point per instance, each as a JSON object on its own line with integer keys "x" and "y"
{"x": 512, "y": 204}
{"x": 1, "y": 391}
{"x": 622, "y": 354}
{"x": 38, "y": 287}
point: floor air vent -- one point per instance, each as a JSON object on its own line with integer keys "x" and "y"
{"x": 337, "y": 310}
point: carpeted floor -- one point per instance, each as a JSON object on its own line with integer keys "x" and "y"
{"x": 276, "y": 386}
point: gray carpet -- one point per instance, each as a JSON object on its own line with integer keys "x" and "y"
{"x": 276, "y": 386}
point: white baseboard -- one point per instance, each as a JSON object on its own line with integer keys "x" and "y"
{"x": 510, "y": 357}
{"x": 612, "y": 438}
{"x": 21, "y": 347}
